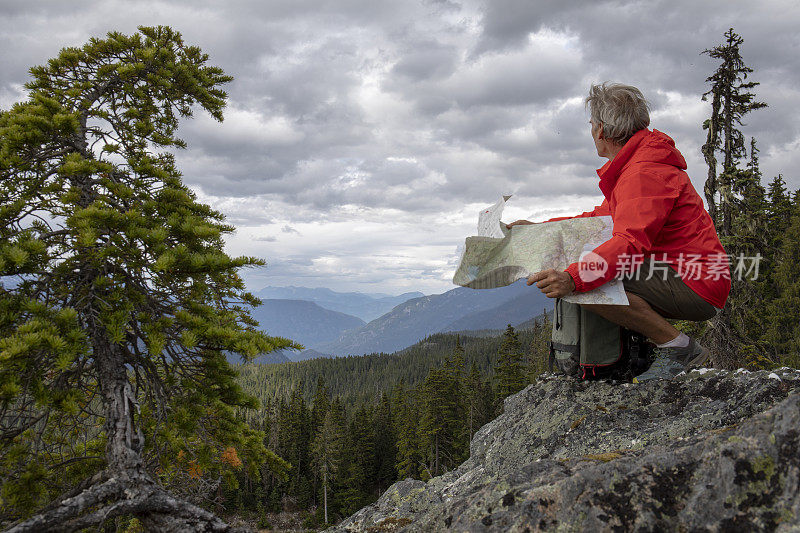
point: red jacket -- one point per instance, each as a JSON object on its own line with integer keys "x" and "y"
{"x": 656, "y": 212}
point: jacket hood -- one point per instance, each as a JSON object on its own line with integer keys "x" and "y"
{"x": 644, "y": 147}
{"x": 658, "y": 147}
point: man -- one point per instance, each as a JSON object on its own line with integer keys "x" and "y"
{"x": 662, "y": 235}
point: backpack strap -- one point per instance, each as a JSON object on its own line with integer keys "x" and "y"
{"x": 557, "y": 312}
{"x": 574, "y": 349}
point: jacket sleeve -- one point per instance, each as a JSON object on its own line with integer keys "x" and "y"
{"x": 643, "y": 204}
{"x": 598, "y": 211}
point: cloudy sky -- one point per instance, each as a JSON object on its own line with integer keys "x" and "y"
{"x": 362, "y": 136}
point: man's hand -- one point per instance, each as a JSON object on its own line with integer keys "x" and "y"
{"x": 520, "y": 223}
{"x": 553, "y": 283}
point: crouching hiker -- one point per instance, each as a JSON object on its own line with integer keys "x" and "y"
{"x": 664, "y": 247}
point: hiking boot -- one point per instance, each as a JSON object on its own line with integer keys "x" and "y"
{"x": 669, "y": 362}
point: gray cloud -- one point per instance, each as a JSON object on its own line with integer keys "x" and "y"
{"x": 346, "y": 110}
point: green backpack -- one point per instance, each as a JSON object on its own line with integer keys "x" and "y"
{"x": 588, "y": 346}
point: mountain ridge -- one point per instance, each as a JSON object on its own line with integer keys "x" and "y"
{"x": 515, "y": 312}
{"x": 302, "y": 321}
{"x": 411, "y": 321}
{"x": 366, "y": 306}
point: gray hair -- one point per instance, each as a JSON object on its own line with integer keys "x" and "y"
{"x": 621, "y": 109}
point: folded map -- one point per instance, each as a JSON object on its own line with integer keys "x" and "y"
{"x": 497, "y": 256}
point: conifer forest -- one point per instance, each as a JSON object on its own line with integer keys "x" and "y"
{"x": 119, "y": 410}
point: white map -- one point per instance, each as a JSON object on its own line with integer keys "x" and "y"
{"x": 497, "y": 256}
{"x": 489, "y": 219}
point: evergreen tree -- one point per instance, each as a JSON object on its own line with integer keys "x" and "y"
{"x": 126, "y": 302}
{"x": 444, "y": 433}
{"x": 747, "y": 244}
{"x": 434, "y": 423}
{"x": 385, "y": 444}
{"x": 735, "y": 197}
{"x": 510, "y": 372}
{"x": 779, "y": 217}
{"x": 774, "y": 323}
{"x": 474, "y": 400}
{"x": 321, "y": 404}
{"x": 326, "y": 450}
{"x": 408, "y": 442}
{"x": 782, "y": 331}
{"x": 298, "y": 436}
{"x": 540, "y": 347}
{"x": 359, "y": 462}
{"x": 749, "y": 219}
{"x": 363, "y": 432}
{"x": 731, "y": 101}
{"x": 458, "y": 430}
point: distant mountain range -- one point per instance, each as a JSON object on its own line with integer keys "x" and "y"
{"x": 363, "y": 305}
{"x": 303, "y": 321}
{"x": 455, "y": 310}
{"x": 309, "y": 317}
{"x": 515, "y": 311}
{"x": 278, "y": 356}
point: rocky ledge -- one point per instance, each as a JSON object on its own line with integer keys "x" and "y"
{"x": 708, "y": 451}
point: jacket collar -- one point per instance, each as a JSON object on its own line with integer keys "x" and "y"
{"x": 610, "y": 171}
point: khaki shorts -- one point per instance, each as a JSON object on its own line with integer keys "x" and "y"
{"x": 667, "y": 294}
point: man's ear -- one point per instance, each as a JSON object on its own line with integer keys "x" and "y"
{"x": 600, "y": 132}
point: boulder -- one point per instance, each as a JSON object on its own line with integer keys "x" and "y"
{"x": 710, "y": 450}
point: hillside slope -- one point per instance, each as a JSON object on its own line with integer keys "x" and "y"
{"x": 271, "y": 358}
{"x": 707, "y": 451}
{"x": 358, "y": 379}
{"x": 365, "y": 306}
{"x": 302, "y": 321}
{"x": 515, "y": 311}
{"x": 417, "y": 318}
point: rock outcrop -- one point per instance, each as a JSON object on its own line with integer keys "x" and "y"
{"x": 708, "y": 451}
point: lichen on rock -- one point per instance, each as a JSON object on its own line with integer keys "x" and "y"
{"x": 711, "y": 449}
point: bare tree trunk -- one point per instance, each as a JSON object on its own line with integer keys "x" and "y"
{"x": 124, "y": 487}
{"x": 124, "y": 440}
{"x": 727, "y": 193}
{"x": 710, "y": 190}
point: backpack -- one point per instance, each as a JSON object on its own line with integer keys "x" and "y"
{"x": 588, "y": 346}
